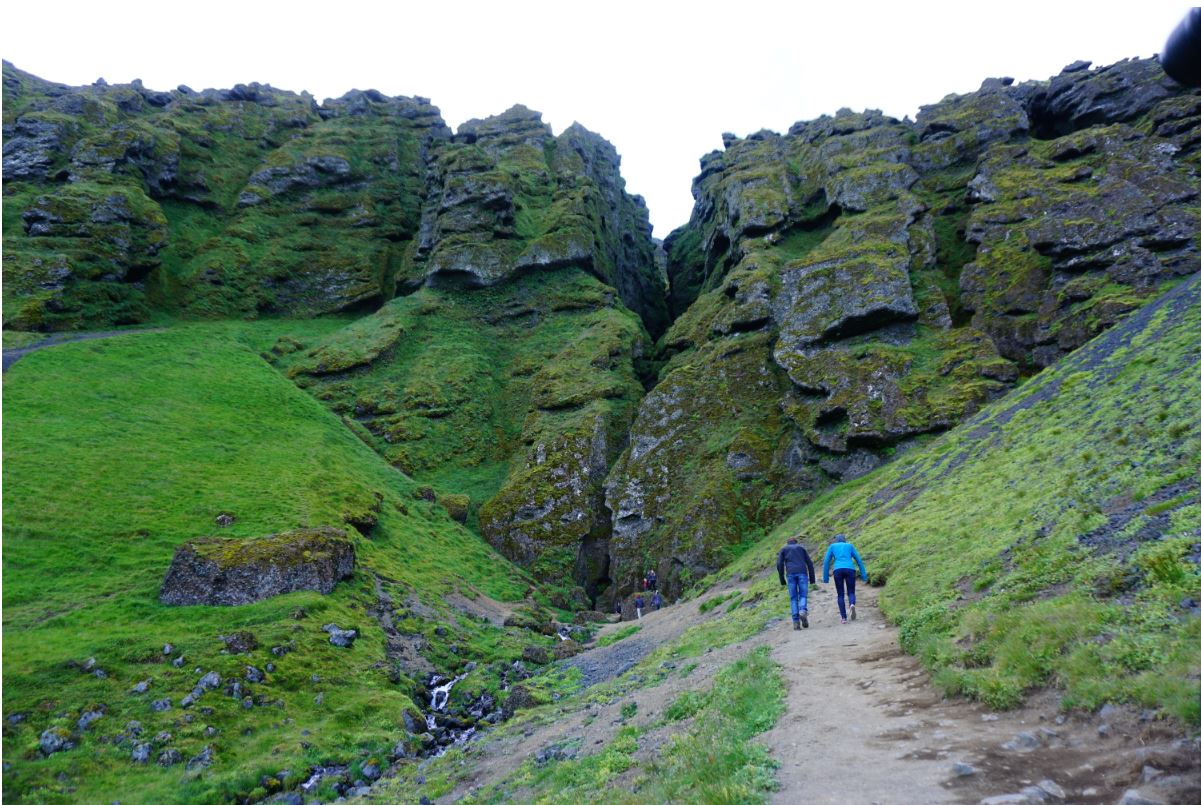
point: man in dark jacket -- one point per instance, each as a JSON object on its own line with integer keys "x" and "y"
{"x": 794, "y": 562}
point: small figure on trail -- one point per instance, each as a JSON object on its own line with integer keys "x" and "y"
{"x": 638, "y": 605}
{"x": 645, "y": 583}
{"x": 844, "y": 557}
{"x": 652, "y": 580}
{"x": 617, "y": 607}
{"x": 794, "y": 562}
{"x": 657, "y": 601}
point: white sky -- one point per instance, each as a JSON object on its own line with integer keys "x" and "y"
{"x": 661, "y": 81}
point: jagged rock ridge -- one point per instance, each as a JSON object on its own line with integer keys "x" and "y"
{"x": 855, "y": 283}
{"x": 256, "y": 201}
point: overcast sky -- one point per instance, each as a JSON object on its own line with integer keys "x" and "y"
{"x": 661, "y": 81}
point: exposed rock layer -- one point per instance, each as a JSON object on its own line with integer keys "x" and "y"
{"x": 855, "y": 283}
{"x": 225, "y": 572}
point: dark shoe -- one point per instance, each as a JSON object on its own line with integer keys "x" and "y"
{"x": 805, "y": 619}
{"x": 852, "y": 612}
{"x": 796, "y": 626}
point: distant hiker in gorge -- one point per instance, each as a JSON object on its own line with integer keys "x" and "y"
{"x": 638, "y": 605}
{"x": 657, "y": 601}
{"x": 652, "y": 581}
{"x": 795, "y": 564}
{"x": 844, "y": 558}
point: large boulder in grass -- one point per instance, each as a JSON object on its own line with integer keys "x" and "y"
{"x": 228, "y": 572}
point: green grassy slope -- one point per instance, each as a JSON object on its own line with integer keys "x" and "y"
{"x": 1053, "y": 539}
{"x": 116, "y": 451}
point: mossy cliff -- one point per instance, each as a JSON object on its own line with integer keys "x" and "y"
{"x": 517, "y": 396}
{"x": 859, "y": 282}
{"x": 253, "y": 201}
{"x": 842, "y": 289}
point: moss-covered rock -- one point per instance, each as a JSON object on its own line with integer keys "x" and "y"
{"x": 517, "y": 396}
{"x": 456, "y": 505}
{"x": 894, "y": 276}
{"x": 229, "y": 572}
{"x": 506, "y": 196}
{"x": 1072, "y": 234}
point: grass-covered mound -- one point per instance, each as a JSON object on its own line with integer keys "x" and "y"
{"x": 1054, "y": 539}
{"x": 117, "y": 451}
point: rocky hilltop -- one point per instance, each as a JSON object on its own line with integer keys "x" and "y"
{"x": 256, "y": 201}
{"x": 841, "y": 291}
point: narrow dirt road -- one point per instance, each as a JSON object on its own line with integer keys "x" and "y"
{"x": 864, "y": 725}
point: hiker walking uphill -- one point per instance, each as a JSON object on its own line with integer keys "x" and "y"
{"x": 794, "y": 562}
{"x": 844, "y": 557}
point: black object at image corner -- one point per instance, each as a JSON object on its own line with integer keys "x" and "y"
{"x": 1181, "y": 57}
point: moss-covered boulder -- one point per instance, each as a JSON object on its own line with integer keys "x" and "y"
{"x": 456, "y": 505}
{"x": 229, "y": 572}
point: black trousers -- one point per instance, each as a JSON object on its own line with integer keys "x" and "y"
{"x": 844, "y": 583}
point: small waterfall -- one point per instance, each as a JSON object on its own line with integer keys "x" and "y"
{"x": 440, "y": 694}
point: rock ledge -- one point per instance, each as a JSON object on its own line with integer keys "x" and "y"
{"x": 229, "y": 572}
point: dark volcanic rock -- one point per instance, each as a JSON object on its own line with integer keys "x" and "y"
{"x": 507, "y": 196}
{"x": 1074, "y": 234}
{"x": 230, "y": 572}
{"x": 240, "y": 642}
{"x": 1078, "y": 98}
{"x": 55, "y": 740}
{"x": 31, "y": 144}
{"x": 342, "y": 638}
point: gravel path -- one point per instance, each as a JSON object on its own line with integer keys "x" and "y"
{"x": 864, "y": 726}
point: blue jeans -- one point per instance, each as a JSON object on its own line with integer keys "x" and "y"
{"x": 844, "y": 580}
{"x": 798, "y": 592}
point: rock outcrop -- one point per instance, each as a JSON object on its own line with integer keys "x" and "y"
{"x": 860, "y": 281}
{"x": 230, "y": 572}
{"x": 511, "y": 362}
{"x": 841, "y": 291}
{"x": 507, "y": 196}
{"x": 254, "y": 201}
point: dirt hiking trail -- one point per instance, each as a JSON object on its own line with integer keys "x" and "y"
{"x": 864, "y": 725}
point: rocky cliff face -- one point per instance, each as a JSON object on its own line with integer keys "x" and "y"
{"x": 507, "y": 370}
{"x": 842, "y": 290}
{"x": 257, "y": 201}
{"x": 860, "y": 281}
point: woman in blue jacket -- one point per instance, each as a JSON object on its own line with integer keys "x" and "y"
{"x": 844, "y": 557}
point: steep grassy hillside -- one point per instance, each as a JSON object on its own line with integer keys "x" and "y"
{"x": 118, "y": 450}
{"x": 1055, "y": 538}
